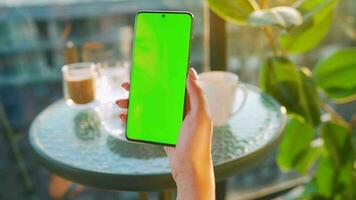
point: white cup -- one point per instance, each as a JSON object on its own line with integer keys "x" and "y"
{"x": 220, "y": 89}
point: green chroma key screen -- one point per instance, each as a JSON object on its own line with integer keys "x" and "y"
{"x": 158, "y": 76}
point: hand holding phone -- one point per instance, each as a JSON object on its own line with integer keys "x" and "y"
{"x": 156, "y": 106}
{"x": 190, "y": 159}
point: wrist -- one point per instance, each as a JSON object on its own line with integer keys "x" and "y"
{"x": 207, "y": 182}
{"x": 196, "y": 183}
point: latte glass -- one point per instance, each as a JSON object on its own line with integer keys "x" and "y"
{"x": 79, "y": 83}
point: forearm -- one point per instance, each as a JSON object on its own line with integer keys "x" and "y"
{"x": 200, "y": 185}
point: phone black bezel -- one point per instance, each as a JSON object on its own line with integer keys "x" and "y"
{"x": 185, "y": 94}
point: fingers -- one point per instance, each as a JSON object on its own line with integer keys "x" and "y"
{"x": 126, "y": 86}
{"x": 187, "y": 105}
{"x": 122, "y": 103}
{"x": 123, "y": 117}
{"x": 195, "y": 93}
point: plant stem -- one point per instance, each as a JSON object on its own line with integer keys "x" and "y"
{"x": 267, "y": 30}
{"x": 264, "y": 4}
{"x": 345, "y": 99}
{"x": 270, "y": 36}
{"x": 254, "y": 4}
{"x": 334, "y": 115}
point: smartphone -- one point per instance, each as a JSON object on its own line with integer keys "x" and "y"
{"x": 160, "y": 59}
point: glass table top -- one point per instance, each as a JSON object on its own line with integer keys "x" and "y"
{"x": 75, "y": 143}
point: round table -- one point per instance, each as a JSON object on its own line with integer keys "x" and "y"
{"x": 73, "y": 144}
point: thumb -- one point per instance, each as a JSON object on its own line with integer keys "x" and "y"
{"x": 195, "y": 93}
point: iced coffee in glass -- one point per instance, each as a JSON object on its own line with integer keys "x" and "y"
{"x": 79, "y": 83}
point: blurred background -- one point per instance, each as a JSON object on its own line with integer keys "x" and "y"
{"x": 38, "y": 37}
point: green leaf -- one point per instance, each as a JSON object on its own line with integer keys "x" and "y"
{"x": 338, "y": 143}
{"x": 315, "y": 10}
{"x": 280, "y": 78}
{"x": 295, "y": 40}
{"x": 317, "y": 18}
{"x": 283, "y": 16}
{"x": 340, "y": 95}
{"x": 233, "y": 10}
{"x": 295, "y": 150}
{"x": 336, "y": 74}
{"x": 310, "y": 99}
{"x": 306, "y": 159}
{"x": 335, "y": 177}
{"x": 324, "y": 178}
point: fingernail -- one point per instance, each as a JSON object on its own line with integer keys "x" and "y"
{"x": 193, "y": 74}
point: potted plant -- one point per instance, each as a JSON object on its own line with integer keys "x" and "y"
{"x": 317, "y": 140}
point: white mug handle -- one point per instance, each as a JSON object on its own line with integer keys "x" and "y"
{"x": 244, "y": 89}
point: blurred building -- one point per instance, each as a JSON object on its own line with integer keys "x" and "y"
{"x": 34, "y": 36}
